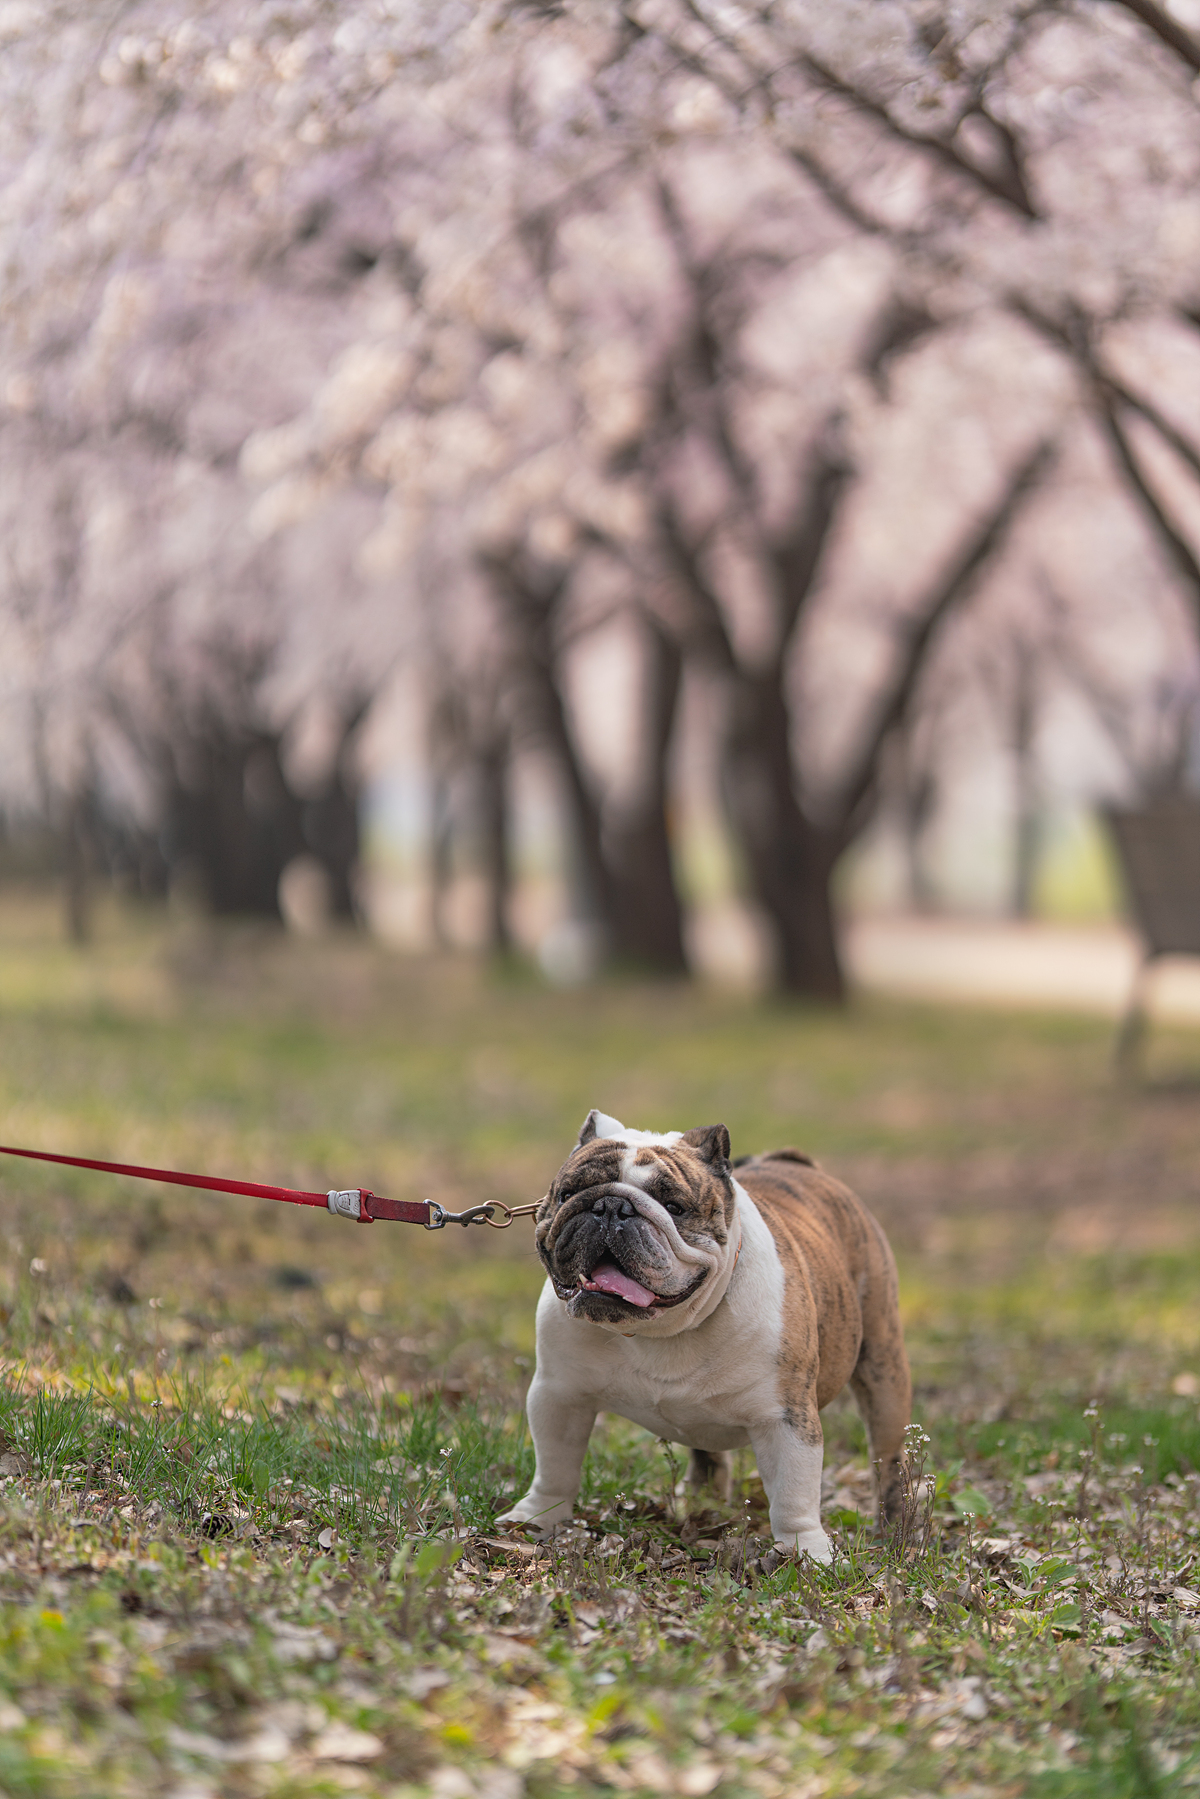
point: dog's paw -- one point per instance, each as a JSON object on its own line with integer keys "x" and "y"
{"x": 541, "y": 1514}
{"x": 812, "y": 1543}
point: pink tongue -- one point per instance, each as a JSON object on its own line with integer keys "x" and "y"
{"x": 611, "y": 1279}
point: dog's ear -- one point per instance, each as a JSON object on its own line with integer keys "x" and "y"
{"x": 711, "y": 1144}
{"x": 599, "y": 1124}
{"x": 587, "y": 1129}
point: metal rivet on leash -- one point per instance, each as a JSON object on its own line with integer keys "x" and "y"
{"x": 358, "y": 1203}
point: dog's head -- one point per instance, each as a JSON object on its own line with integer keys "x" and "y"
{"x": 636, "y": 1229}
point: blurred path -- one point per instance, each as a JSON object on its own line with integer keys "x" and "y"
{"x": 1086, "y": 968}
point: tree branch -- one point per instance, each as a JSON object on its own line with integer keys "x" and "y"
{"x": 954, "y": 588}
{"x": 1105, "y": 393}
{"x": 532, "y": 596}
{"x": 760, "y": 80}
{"x": 711, "y": 634}
{"x": 901, "y": 324}
{"x": 1009, "y": 186}
{"x": 1166, "y": 29}
{"x": 1186, "y": 451}
{"x": 705, "y": 343}
{"x": 795, "y": 558}
{"x": 1179, "y": 551}
{"x": 1012, "y": 156}
{"x": 836, "y": 193}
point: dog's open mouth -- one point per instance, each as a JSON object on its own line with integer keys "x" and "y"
{"x": 609, "y": 1277}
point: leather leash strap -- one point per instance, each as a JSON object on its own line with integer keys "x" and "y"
{"x": 350, "y": 1202}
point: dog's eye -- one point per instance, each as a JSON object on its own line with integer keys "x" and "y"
{"x": 675, "y": 1210}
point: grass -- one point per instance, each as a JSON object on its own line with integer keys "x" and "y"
{"x": 251, "y": 1458}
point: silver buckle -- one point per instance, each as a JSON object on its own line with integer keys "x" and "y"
{"x": 346, "y": 1204}
{"x": 437, "y": 1216}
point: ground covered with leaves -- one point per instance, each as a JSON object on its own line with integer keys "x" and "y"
{"x": 251, "y": 1458}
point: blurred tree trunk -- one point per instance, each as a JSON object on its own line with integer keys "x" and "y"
{"x": 330, "y": 820}
{"x": 636, "y": 902}
{"x": 917, "y": 804}
{"x": 239, "y": 822}
{"x": 790, "y": 860}
{"x": 537, "y": 597}
{"x": 1026, "y": 830}
{"x": 789, "y": 857}
{"x": 492, "y": 775}
{"x": 231, "y": 816}
{"x": 648, "y": 917}
{"x": 79, "y": 852}
{"x": 445, "y": 749}
{"x": 470, "y": 768}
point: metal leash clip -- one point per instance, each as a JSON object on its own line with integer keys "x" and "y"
{"x": 510, "y": 1212}
{"x": 439, "y": 1216}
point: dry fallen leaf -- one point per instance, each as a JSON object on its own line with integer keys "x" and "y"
{"x": 342, "y": 1743}
{"x": 697, "y": 1779}
{"x": 300, "y": 1644}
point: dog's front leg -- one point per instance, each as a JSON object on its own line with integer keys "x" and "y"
{"x": 561, "y": 1423}
{"x": 791, "y": 1473}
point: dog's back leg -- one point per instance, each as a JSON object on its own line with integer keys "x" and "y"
{"x": 881, "y": 1381}
{"x": 711, "y": 1470}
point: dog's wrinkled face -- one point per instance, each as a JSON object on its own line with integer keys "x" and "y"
{"x": 635, "y": 1230}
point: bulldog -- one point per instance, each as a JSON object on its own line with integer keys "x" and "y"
{"x": 715, "y": 1304}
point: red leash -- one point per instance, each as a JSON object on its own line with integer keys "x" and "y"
{"x": 351, "y": 1202}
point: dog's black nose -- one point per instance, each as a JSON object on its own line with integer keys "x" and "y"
{"x": 615, "y": 1204}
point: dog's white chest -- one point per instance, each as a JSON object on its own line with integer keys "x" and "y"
{"x": 698, "y": 1426}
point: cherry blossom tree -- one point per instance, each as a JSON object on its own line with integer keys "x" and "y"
{"x": 782, "y": 340}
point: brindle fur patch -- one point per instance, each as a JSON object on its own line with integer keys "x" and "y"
{"x": 595, "y": 1164}
{"x": 703, "y": 1188}
{"x": 841, "y": 1308}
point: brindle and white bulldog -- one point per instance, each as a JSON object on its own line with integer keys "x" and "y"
{"x": 715, "y": 1309}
